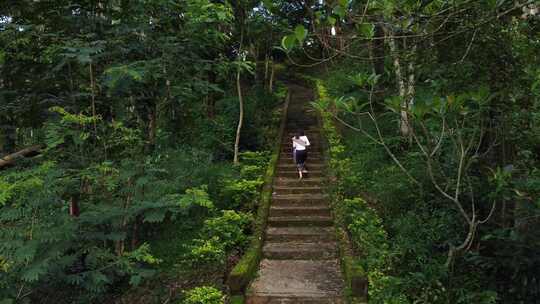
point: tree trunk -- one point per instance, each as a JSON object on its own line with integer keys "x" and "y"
{"x": 240, "y": 102}
{"x": 93, "y": 89}
{"x": 404, "y": 125}
{"x": 266, "y": 63}
{"x": 240, "y": 118}
{"x": 74, "y": 208}
{"x": 152, "y": 128}
{"x": 378, "y": 51}
{"x": 211, "y": 98}
{"x": 272, "y": 74}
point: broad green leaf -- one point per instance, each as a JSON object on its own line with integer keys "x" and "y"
{"x": 300, "y": 32}
{"x": 288, "y": 42}
{"x": 367, "y": 30}
{"x": 332, "y": 20}
{"x": 339, "y": 11}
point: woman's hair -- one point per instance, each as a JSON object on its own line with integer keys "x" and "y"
{"x": 299, "y": 133}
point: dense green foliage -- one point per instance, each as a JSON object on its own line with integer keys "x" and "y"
{"x": 204, "y": 295}
{"x": 434, "y": 141}
{"x": 135, "y": 114}
{"x": 132, "y": 112}
{"x": 404, "y": 231}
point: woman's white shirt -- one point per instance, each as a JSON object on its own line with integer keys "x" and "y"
{"x": 298, "y": 146}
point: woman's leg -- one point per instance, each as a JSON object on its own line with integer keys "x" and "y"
{"x": 304, "y": 170}
{"x": 300, "y": 159}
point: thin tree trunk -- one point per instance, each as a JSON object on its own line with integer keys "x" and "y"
{"x": 92, "y": 87}
{"x": 135, "y": 233}
{"x": 74, "y": 208}
{"x": 411, "y": 84}
{"x": 272, "y": 74}
{"x": 266, "y": 63}
{"x": 152, "y": 127}
{"x": 240, "y": 103}
{"x": 378, "y": 51}
{"x": 404, "y": 126}
{"x": 211, "y": 98}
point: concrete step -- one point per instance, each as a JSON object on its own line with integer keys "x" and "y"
{"x": 297, "y": 282}
{"x": 313, "y": 150}
{"x": 311, "y": 132}
{"x": 297, "y": 190}
{"x": 272, "y": 299}
{"x": 295, "y": 182}
{"x": 286, "y": 147}
{"x": 306, "y": 125}
{"x": 311, "y": 154}
{"x": 311, "y": 166}
{"x": 287, "y": 158}
{"x": 312, "y": 141}
{"x": 315, "y": 147}
{"x": 300, "y": 234}
{"x": 314, "y": 133}
{"x": 294, "y": 173}
{"x": 299, "y": 199}
{"x": 300, "y": 251}
{"x": 300, "y": 221}
{"x": 317, "y": 210}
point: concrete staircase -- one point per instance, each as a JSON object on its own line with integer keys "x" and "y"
{"x": 300, "y": 257}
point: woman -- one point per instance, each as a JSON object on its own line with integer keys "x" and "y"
{"x": 300, "y": 143}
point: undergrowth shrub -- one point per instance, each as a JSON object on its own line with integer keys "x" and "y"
{"x": 219, "y": 236}
{"x": 204, "y": 295}
{"x": 402, "y": 235}
{"x": 206, "y": 253}
{"x": 229, "y": 228}
{"x": 242, "y": 193}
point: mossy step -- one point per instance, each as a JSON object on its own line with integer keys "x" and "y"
{"x": 311, "y": 131}
{"x": 294, "y": 173}
{"x": 314, "y": 146}
{"x": 316, "y": 210}
{"x": 314, "y": 150}
{"x": 297, "y": 190}
{"x": 312, "y": 141}
{"x": 299, "y": 199}
{"x": 300, "y": 234}
{"x": 294, "y": 300}
{"x": 311, "y": 154}
{"x": 287, "y": 158}
{"x": 317, "y": 162}
{"x": 306, "y": 123}
{"x": 295, "y": 182}
{"x": 310, "y": 166}
{"x": 300, "y": 251}
{"x": 300, "y": 221}
{"x": 307, "y": 128}
{"x": 297, "y": 281}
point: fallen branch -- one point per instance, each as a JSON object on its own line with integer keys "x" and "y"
{"x": 10, "y": 159}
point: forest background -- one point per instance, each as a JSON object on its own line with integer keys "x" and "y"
{"x": 150, "y": 122}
